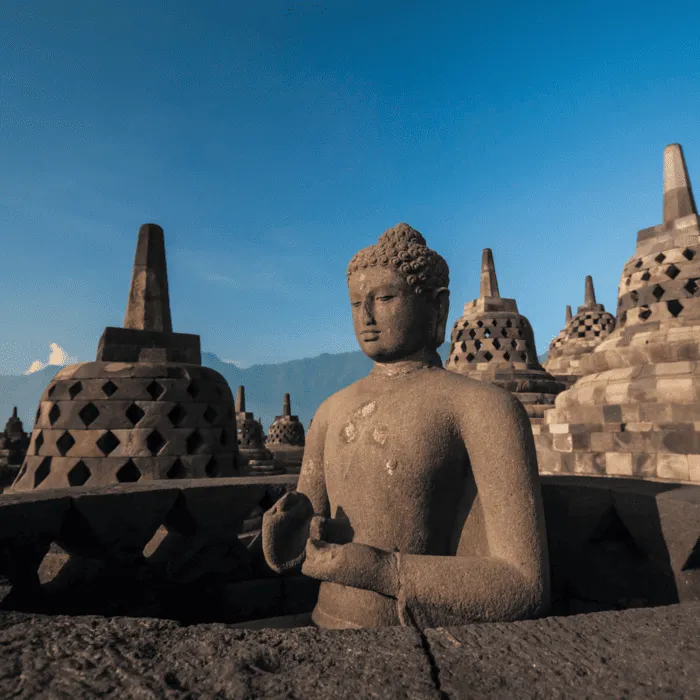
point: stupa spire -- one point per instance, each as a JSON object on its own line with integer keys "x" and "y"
{"x": 678, "y": 194}
{"x": 489, "y": 283}
{"x": 589, "y": 297}
{"x": 240, "y": 399}
{"x": 148, "y": 308}
{"x": 14, "y": 412}
{"x": 287, "y": 407}
{"x": 568, "y": 313}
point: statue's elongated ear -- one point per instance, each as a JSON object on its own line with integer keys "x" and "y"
{"x": 442, "y": 297}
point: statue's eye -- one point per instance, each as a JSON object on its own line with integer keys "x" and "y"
{"x": 385, "y": 298}
{"x": 356, "y": 303}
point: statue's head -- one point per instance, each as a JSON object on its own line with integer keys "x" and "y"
{"x": 399, "y": 296}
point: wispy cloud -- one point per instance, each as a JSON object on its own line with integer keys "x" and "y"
{"x": 57, "y": 356}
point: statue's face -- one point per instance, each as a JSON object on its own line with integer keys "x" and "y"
{"x": 391, "y": 321}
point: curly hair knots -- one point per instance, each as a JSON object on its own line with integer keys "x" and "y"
{"x": 405, "y": 249}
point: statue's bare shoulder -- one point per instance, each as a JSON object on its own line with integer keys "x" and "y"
{"x": 478, "y": 407}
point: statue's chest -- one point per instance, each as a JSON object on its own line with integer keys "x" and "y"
{"x": 393, "y": 445}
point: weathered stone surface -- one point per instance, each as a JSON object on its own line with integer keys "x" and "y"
{"x": 87, "y": 657}
{"x": 652, "y": 653}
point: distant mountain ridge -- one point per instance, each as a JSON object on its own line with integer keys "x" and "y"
{"x": 309, "y": 381}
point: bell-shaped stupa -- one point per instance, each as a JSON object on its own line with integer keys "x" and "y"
{"x": 145, "y": 410}
{"x": 559, "y": 338}
{"x": 251, "y": 444}
{"x": 636, "y": 409}
{"x": 494, "y": 343}
{"x": 591, "y": 325}
{"x": 285, "y": 438}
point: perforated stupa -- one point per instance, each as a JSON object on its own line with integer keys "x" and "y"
{"x": 493, "y": 342}
{"x": 251, "y": 444}
{"x": 591, "y": 325}
{"x": 286, "y": 438}
{"x": 145, "y": 410}
{"x": 636, "y": 410}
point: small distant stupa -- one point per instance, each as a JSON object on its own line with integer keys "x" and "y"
{"x": 251, "y": 445}
{"x": 493, "y": 342}
{"x": 286, "y": 438}
{"x": 581, "y": 335}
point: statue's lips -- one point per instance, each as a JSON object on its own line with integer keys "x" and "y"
{"x": 369, "y": 335}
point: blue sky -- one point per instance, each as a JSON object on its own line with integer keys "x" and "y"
{"x": 272, "y": 140}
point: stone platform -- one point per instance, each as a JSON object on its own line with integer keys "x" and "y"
{"x": 651, "y": 653}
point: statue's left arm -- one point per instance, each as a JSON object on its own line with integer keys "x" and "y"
{"x": 511, "y": 581}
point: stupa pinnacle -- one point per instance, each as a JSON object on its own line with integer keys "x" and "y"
{"x": 493, "y": 342}
{"x": 678, "y": 194}
{"x": 144, "y": 410}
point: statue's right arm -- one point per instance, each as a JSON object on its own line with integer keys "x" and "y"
{"x": 286, "y": 525}
{"x": 312, "y": 480}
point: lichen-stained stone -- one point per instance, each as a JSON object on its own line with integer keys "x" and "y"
{"x": 144, "y": 410}
{"x": 642, "y": 382}
{"x": 493, "y": 342}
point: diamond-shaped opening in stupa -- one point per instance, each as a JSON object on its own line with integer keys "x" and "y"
{"x": 155, "y": 442}
{"x": 210, "y": 469}
{"x": 177, "y": 470}
{"x": 128, "y": 473}
{"x": 672, "y": 271}
{"x": 54, "y": 414}
{"x": 209, "y": 415}
{"x": 135, "y": 413}
{"x": 64, "y": 443}
{"x": 75, "y": 389}
{"x": 42, "y": 471}
{"x": 109, "y": 388}
{"x": 88, "y": 414}
{"x": 194, "y": 442}
{"x": 155, "y": 390}
{"x": 176, "y": 415}
{"x": 674, "y": 307}
{"x": 108, "y": 443}
{"x": 79, "y": 474}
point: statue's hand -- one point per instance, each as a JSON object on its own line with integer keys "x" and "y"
{"x": 353, "y": 564}
{"x": 334, "y": 530}
{"x": 285, "y": 530}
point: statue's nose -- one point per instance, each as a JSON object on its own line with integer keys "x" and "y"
{"x": 368, "y": 312}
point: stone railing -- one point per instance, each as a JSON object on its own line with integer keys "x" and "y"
{"x": 191, "y": 550}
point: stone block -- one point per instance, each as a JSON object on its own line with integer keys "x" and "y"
{"x": 639, "y": 427}
{"x": 601, "y": 442}
{"x": 618, "y": 463}
{"x": 673, "y": 467}
{"x": 675, "y": 389}
{"x": 644, "y": 464}
{"x": 694, "y": 468}
{"x": 612, "y": 413}
{"x": 562, "y": 442}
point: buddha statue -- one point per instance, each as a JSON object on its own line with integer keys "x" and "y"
{"x": 418, "y": 501}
